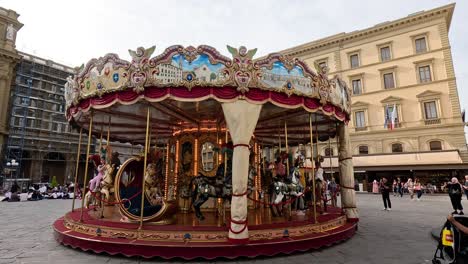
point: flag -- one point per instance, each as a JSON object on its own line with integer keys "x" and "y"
{"x": 387, "y": 118}
{"x": 393, "y": 117}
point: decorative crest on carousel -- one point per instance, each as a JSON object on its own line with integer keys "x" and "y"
{"x": 204, "y": 66}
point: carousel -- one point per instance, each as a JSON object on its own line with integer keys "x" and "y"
{"x": 229, "y": 165}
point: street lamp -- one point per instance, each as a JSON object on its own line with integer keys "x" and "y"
{"x": 11, "y": 165}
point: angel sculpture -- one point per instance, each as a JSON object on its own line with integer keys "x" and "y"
{"x": 141, "y": 53}
{"x": 242, "y": 54}
{"x": 322, "y": 70}
{"x": 242, "y": 67}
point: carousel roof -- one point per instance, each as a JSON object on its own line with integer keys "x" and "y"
{"x": 183, "y": 88}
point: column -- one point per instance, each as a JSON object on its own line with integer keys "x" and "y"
{"x": 241, "y": 119}
{"x": 345, "y": 157}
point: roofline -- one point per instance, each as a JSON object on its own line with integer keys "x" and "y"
{"x": 47, "y": 62}
{"x": 376, "y": 29}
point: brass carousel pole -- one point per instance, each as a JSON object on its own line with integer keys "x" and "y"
{"x": 217, "y": 143}
{"x": 225, "y": 172}
{"x": 76, "y": 169}
{"x": 225, "y": 155}
{"x": 144, "y": 166}
{"x": 313, "y": 167}
{"x": 166, "y": 184}
{"x": 287, "y": 159}
{"x": 100, "y": 141}
{"x": 287, "y": 146}
{"x": 330, "y": 151}
{"x": 318, "y": 160}
{"x": 90, "y": 127}
{"x": 108, "y": 133}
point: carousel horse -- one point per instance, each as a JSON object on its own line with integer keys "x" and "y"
{"x": 278, "y": 191}
{"x": 94, "y": 184}
{"x": 204, "y": 187}
{"x": 296, "y": 190}
{"x": 107, "y": 183}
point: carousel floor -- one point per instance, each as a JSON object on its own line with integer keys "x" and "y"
{"x": 189, "y": 238}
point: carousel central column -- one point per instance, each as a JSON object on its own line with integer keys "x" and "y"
{"x": 348, "y": 195}
{"x": 241, "y": 119}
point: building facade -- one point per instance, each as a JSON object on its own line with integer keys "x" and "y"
{"x": 40, "y": 139}
{"x": 406, "y": 117}
{"x": 9, "y": 26}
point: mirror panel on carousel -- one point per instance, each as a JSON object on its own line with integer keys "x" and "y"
{"x": 208, "y": 157}
{"x": 128, "y": 186}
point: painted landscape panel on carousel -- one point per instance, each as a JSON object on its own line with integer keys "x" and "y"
{"x": 199, "y": 70}
{"x": 279, "y": 77}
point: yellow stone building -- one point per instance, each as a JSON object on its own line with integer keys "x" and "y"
{"x": 406, "y": 64}
{"x": 9, "y": 25}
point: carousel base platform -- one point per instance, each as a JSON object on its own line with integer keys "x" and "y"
{"x": 189, "y": 238}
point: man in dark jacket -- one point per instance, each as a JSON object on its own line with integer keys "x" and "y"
{"x": 385, "y": 191}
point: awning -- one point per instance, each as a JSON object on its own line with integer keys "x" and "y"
{"x": 444, "y": 160}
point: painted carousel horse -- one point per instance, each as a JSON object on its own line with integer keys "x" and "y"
{"x": 296, "y": 191}
{"x": 107, "y": 183}
{"x": 204, "y": 187}
{"x": 278, "y": 192}
{"x": 94, "y": 184}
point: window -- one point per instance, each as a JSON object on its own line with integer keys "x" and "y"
{"x": 328, "y": 152}
{"x": 397, "y": 147}
{"x": 354, "y": 60}
{"x": 389, "y": 114}
{"x": 360, "y": 121}
{"x": 430, "y": 110}
{"x": 435, "y": 145}
{"x": 24, "y": 101}
{"x": 420, "y": 44}
{"x": 385, "y": 53}
{"x": 357, "y": 87}
{"x": 363, "y": 150}
{"x": 425, "y": 74}
{"x": 389, "y": 81}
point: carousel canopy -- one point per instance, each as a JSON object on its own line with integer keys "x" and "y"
{"x": 184, "y": 89}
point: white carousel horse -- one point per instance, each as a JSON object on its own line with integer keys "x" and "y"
{"x": 297, "y": 190}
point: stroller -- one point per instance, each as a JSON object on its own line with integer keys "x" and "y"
{"x": 453, "y": 245}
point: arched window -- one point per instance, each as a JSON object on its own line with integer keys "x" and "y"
{"x": 397, "y": 147}
{"x": 363, "y": 150}
{"x": 435, "y": 145}
{"x": 328, "y": 152}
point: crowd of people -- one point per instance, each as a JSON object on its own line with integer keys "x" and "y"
{"x": 40, "y": 191}
{"x": 415, "y": 189}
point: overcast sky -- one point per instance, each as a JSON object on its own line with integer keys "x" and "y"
{"x": 73, "y": 32}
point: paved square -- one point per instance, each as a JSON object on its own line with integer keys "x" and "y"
{"x": 399, "y": 236}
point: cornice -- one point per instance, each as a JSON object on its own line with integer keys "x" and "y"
{"x": 10, "y": 55}
{"x": 338, "y": 39}
{"x": 404, "y": 87}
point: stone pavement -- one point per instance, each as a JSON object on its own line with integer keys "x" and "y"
{"x": 399, "y": 236}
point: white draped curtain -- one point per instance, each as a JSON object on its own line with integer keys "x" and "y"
{"x": 241, "y": 119}
{"x": 348, "y": 195}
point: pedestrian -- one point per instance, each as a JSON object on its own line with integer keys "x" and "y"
{"x": 400, "y": 187}
{"x": 375, "y": 187}
{"x": 410, "y": 185}
{"x": 465, "y": 186}
{"x": 395, "y": 187}
{"x": 455, "y": 194}
{"x": 385, "y": 191}
{"x": 418, "y": 188}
